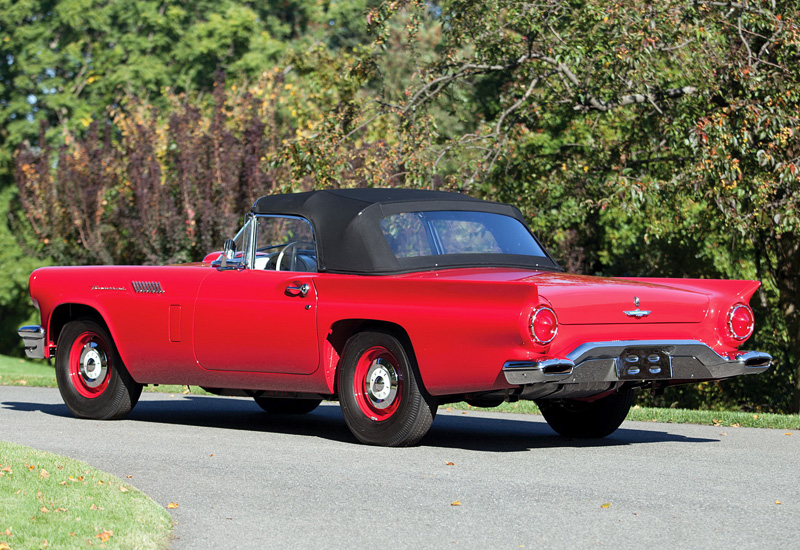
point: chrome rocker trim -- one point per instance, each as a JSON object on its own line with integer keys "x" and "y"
{"x": 684, "y": 360}
{"x": 33, "y": 338}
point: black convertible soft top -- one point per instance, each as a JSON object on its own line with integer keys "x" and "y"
{"x": 349, "y": 238}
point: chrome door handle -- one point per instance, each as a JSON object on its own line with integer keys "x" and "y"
{"x": 300, "y": 291}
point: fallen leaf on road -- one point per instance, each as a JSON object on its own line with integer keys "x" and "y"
{"x": 778, "y": 502}
{"x": 455, "y": 503}
{"x": 606, "y": 505}
{"x": 723, "y": 433}
{"x": 450, "y": 463}
{"x": 172, "y": 505}
{"x": 788, "y": 433}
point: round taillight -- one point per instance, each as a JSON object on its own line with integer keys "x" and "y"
{"x": 741, "y": 322}
{"x": 544, "y": 325}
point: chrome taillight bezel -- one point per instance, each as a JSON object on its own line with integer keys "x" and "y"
{"x": 750, "y": 328}
{"x": 534, "y": 314}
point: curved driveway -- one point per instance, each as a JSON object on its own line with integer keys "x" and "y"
{"x": 245, "y": 479}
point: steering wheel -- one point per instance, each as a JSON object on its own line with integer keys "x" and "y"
{"x": 292, "y": 246}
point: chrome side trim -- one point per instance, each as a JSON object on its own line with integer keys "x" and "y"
{"x": 600, "y": 362}
{"x": 33, "y": 338}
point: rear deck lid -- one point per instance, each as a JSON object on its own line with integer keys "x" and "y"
{"x": 581, "y": 300}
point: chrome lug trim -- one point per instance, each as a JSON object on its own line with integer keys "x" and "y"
{"x": 33, "y": 339}
{"x": 93, "y": 365}
{"x": 382, "y": 383}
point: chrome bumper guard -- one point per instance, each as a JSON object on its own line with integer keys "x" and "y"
{"x": 637, "y": 360}
{"x": 33, "y": 338}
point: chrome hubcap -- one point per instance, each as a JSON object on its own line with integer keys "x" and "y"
{"x": 381, "y": 383}
{"x": 93, "y": 365}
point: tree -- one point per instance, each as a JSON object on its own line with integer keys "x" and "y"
{"x": 615, "y": 124}
{"x": 65, "y": 61}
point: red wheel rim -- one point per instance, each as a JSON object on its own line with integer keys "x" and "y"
{"x": 89, "y": 364}
{"x": 378, "y": 384}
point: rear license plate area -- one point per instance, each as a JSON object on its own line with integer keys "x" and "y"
{"x": 644, "y": 364}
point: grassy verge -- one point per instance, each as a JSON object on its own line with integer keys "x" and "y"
{"x": 50, "y": 501}
{"x": 675, "y": 416}
{"x": 20, "y": 372}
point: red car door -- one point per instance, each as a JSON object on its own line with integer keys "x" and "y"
{"x": 257, "y": 321}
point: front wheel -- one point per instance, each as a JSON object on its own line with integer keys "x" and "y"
{"x": 91, "y": 377}
{"x": 382, "y": 399}
{"x": 587, "y": 419}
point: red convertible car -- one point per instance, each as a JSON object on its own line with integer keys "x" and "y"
{"x": 392, "y": 301}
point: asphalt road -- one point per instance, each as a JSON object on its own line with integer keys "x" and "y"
{"x": 245, "y": 479}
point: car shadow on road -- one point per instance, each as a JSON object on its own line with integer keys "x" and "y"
{"x": 496, "y": 433}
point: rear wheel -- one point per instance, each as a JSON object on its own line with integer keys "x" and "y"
{"x": 92, "y": 379}
{"x": 382, "y": 398}
{"x": 587, "y": 419}
{"x": 280, "y": 405}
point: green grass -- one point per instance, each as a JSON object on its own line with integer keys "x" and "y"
{"x": 51, "y": 501}
{"x": 21, "y": 372}
{"x": 24, "y": 372}
{"x": 733, "y": 419}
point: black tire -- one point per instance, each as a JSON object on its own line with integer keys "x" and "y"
{"x": 587, "y": 419}
{"x": 280, "y": 405}
{"x": 382, "y": 398}
{"x": 91, "y": 376}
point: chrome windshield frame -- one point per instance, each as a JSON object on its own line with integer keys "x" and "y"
{"x": 252, "y": 238}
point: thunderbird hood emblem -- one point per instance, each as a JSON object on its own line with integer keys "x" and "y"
{"x": 638, "y": 313}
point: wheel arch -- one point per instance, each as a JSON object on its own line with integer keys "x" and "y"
{"x": 71, "y": 311}
{"x": 341, "y": 331}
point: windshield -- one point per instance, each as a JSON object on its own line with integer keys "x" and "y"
{"x": 416, "y": 234}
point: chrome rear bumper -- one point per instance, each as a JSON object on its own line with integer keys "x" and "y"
{"x": 636, "y": 360}
{"x": 33, "y": 338}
